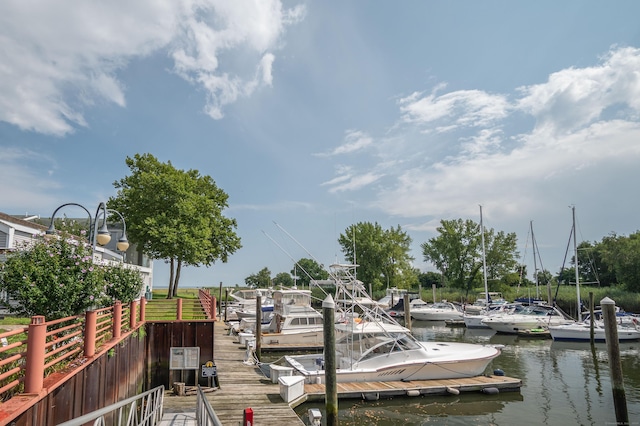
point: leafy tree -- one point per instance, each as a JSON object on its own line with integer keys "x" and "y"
{"x": 175, "y": 215}
{"x": 457, "y": 253}
{"x": 427, "y": 279}
{"x": 56, "y": 278}
{"x": 283, "y": 279}
{"x": 623, "y": 253}
{"x": 307, "y": 270}
{"x": 383, "y": 256}
{"x": 260, "y": 280}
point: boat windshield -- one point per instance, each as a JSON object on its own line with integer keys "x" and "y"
{"x": 364, "y": 346}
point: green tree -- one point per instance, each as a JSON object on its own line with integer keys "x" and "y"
{"x": 175, "y": 215}
{"x": 383, "y": 256}
{"x": 260, "y": 280}
{"x": 623, "y": 254}
{"x": 56, "y": 278}
{"x": 283, "y": 279}
{"x": 457, "y": 253}
{"x": 307, "y": 270}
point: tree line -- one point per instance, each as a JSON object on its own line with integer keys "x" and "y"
{"x": 384, "y": 260}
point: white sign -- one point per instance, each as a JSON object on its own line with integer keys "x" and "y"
{"x": 184, "y": 359}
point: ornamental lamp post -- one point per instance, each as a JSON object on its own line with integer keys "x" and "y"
{"x": 100, "y": 236}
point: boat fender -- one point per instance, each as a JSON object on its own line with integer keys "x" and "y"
{"x": 413, "y": 392}
{"x": 498, "y": 372}
{"x": 491, "y": 391}
{"x": 371, "y": 396}
{"x": 453, "y": 391}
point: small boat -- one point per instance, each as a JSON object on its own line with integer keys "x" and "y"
{"x": 398, "y": 309}
{"x": 392, "y": 296}
{"x": 628, "y": 329}
{"x": 439, "y": 311}
{"x": 527, "y": 318}
{"x": 374, "y": 347}
{"x": 475, "y": 320}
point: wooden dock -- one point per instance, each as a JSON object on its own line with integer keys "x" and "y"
{"x": 241, "y": 386}
{"x": 377, "y": 390}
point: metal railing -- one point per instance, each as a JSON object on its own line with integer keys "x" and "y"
{"x": 205, "y": 416}
{"x": 140, "y": 410}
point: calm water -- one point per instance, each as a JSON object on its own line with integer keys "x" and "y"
{"x": 563, "y": 384}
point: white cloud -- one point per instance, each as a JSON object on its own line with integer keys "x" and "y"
{"x": 575, "y": 97}
{"x": 354, "y": 141}
{"x": 573, "y": 140}
{"x": 58, "y": 57}
{"x": 463, "y": 108}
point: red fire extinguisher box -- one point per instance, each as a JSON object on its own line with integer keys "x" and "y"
{"x": 248, "y": 417}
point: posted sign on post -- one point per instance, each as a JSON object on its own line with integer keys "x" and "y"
{"x": 209, "y": 369}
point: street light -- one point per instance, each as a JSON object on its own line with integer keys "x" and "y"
{"x": 100, "y": 236}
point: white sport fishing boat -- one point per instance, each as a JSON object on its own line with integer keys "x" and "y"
{"x": 295, "y": 324}
{"x": 374, "y": 347}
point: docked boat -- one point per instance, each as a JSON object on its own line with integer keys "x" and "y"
{"x": 295, "y": 323}
{"x": 391, "y": 297}
{"x": 528, "y": 317}
{"x": 475, "y": 320}
{"x": 627, "y": 324}
{"x": 374, "y": 347}
{"x": 439, "y": 311}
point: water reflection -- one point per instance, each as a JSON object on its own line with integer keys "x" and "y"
{"x": 564, "y": 383}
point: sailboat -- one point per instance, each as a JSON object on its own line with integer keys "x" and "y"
{"x": 474, "y": 315}
{"x": 580, "y": 331}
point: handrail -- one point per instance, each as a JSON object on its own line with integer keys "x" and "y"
{"x": 205, "y": 416}
{"x": 143, "y": 409}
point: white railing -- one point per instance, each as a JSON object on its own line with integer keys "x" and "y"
{"x": 144, "y": 409}
{"x": 205, "y": 416}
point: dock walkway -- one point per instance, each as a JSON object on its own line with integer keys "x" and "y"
{"x": 241, "y": 386}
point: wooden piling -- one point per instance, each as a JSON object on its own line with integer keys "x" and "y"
{"x": 615, "y": 364}
{"x": 407, "y": 312}
{"x": 331, "y": 398}
{"x": 259, "y": 326}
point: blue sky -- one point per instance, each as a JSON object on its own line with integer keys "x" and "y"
{"x": 319, "y": 114}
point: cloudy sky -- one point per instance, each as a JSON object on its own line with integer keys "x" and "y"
{"x": 314, "y": 115}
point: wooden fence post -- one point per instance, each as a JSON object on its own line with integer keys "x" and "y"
{"x": 213, "y": 308}
{"x": 179, "y": 309}
{"x": 90, "y": 332}
{"x": 117, "y": 319}
{"x": 36, "y": 346}
{"x": 143, "y": 309}
{"x": 133, "y": 314}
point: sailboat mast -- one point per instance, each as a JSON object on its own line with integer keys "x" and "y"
{"x": 484, "y": 260}
{"x": 575, "y": 254}
{"x": 535, "y": 264}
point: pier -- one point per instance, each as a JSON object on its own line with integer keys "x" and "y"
{"x": 241, "y": 386}
{"x": 377, "y": 390}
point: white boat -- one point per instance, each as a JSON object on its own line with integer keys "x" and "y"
{"x": 528, "y": 317}
{"x": 374, "y": 347}
{"x": 475, "y": 320}
{"x": 439, "y": 311}
{"x": 627, "y": 324}
{"x": 392, "y": 296}
{"x": 295, "y": 324}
